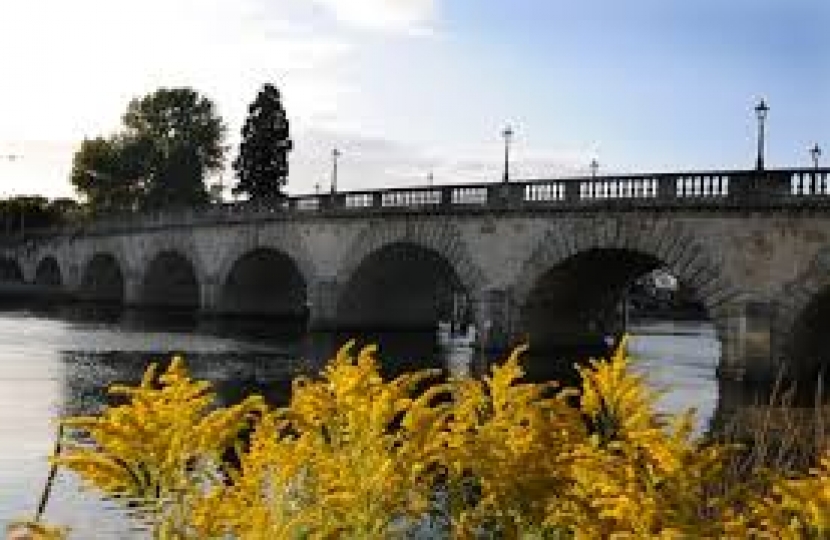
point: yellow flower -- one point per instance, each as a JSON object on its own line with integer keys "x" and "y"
{"x": 357, "y": 456}
{"x": 34, "y": 530}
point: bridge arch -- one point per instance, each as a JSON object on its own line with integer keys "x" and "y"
{"x": 289, "y": 245}
{"x": 405, "y": 275}
{"x": 48, "y": 272}
{"x": 615, "y": 251}
{"x": 802, "y": 328}
{"x": 264, "y": 282}
{"x": 102, "y": 279}
{"x": 170, "y": 280}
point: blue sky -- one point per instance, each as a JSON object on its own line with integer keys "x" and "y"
{"x": 405, "y": 87}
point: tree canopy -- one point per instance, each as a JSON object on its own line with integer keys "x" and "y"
{"x": 24, "y": 212}
{"x": 262, "y": 164}
{"x": 171, "y": 141}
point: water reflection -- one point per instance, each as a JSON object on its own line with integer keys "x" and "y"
{"x": 59, "y": 363}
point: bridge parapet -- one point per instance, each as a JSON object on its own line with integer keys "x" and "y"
{"x": 781, "y": 188}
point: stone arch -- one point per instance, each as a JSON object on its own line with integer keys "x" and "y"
{"x": 103, "y": 278}
{"x": 802, "y": 305}
{"x": 437, "y": 236}
{"x": 264, "y": 282}
{"x": 170, "y": 280}
{"x": 659, "y": 239}
{"x": 290, "y": 245}
{"x": 405, "y": 275}
{"x": 48, "y": 272}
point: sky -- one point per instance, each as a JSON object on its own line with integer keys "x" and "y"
{"x": 407, "y": 87}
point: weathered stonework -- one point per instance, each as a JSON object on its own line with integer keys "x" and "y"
{"x": 754, "y": 271}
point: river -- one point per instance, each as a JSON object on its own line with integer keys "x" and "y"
{"x": 59, "y": 363}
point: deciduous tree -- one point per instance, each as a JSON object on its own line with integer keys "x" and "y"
{"x": 184, "y": 135}
{"x": 171, "y": 141}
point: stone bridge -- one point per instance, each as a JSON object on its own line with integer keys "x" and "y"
{"x": 541, "y": 260}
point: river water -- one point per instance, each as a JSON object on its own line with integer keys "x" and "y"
{"x": 58, "y": 363}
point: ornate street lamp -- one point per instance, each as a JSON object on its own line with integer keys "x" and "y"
{"x": 761, "y": 111}
{"x": 507, "y": 133}
{"x": 815, "y": 153}
{"x": 334, "y": 155}
{"x": 594, "y": 167}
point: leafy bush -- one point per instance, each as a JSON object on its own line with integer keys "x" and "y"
{"x": 354, "y": 456}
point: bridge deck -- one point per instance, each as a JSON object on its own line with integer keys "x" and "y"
{"x": 705, "y": 190}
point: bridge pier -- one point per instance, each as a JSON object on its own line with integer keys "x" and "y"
{"x": 132, "y": 287}
{"x": 747, "y": 342}
{"x": 210, "y": 292}
{"x": 494, "y": 318}
{"x": 322, "y": 303}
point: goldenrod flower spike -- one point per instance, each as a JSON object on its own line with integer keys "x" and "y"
{"x": 355, "y": 456}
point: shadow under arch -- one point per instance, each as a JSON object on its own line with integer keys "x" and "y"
{"x": 806, "y": 348}
{"x": 102, "y": 280}
{"x": 399, "y": 286}
{"x": 801, "y": 325}
{"x": 10, "y": 271}
{"x": 170, "y": 282}
{"x": 48, "y": 273}
{"x": 657, "y": 241}
{"x": 582, "y": 304}
{"x": 264, "y": 282}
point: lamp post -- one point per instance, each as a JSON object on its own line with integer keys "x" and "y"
{"x": 430, "y": 179}
{"x": 594, "y": 167}
{"x": 335, "y": 153}
{"x": 761, "y": 111}
{"x": 815, "y": 153}
{"x": 507, "y": 133}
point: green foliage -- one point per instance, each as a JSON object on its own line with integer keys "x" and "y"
{"x": 111, "y": 172}
{"x": 172, "y": 139}
{"x": 24, "y": 213}
{"x": 262, "y": 164}
{"x": 183, "y": 138}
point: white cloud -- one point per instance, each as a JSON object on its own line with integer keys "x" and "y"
{"x": 74, "y": 77}
{"x": 400, "y": 16}
{"x": 69, "y": 70}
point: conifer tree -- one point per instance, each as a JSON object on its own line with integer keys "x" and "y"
{"x": 262, "y": 164}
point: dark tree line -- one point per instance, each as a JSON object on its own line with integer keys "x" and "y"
{"x": 171, "y": 141}
{"x": 19, "y": 214}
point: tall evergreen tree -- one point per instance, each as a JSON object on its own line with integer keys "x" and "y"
{"x": 262, "y": 164}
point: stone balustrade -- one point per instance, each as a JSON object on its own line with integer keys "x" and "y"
{"x": 780, "y": 188}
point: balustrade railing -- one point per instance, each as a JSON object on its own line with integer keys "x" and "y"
{"x": 718, "y": 189}
{"x": 813, "y": 182}
{"x": 307, "y": 204}
{"x": 702, "y": 186}
{"x": 544, "y": 192}
{"x": 618, "y": 188}
{"x": 464, "y": 196}
{"x": 409, "y": 199}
